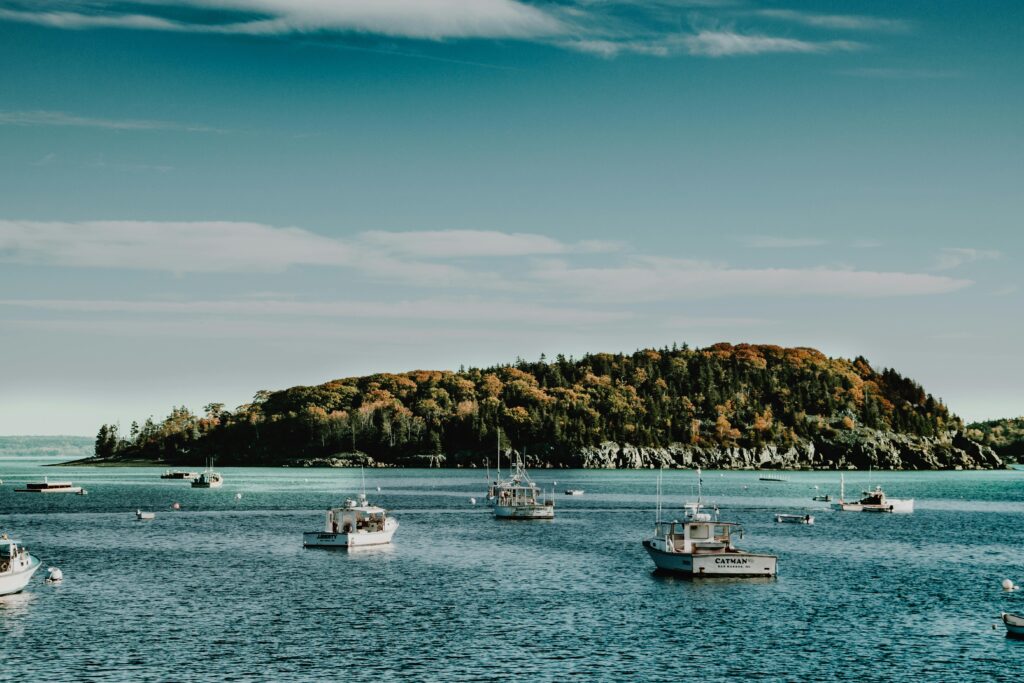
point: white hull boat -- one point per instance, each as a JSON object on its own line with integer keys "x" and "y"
{"x": 356, "y": 525}
{"x": 1014, "y": 625}
{"x": 794, "y": 519}
{"x": 47, "y": 486}
{"x": 538, "y": 510}
{"x": 873, "y": 501}
{"x": 208, "y": 479}
{"x": 702, "y": 546}
{"x": 16, "y": 567}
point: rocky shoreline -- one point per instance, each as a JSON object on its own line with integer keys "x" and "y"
{"x": 851, "y": 450}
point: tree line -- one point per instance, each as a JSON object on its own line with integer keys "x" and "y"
{"x": 724, "y": 395}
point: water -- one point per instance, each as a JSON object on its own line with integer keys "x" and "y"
{"x": 223, "y": 589}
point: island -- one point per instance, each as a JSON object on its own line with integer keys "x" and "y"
{"x": 726, "y": 406}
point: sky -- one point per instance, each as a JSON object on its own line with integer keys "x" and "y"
{"x": 200, "y": 199}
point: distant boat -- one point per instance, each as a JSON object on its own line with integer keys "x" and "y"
{"x": 46, "y": 486}
{"x": 208, "y": 479}
{"x": 827, "y": 498}
{"x": 1014, "y": 625}
{"x": 140, "y": 515}
{"x": 574, "y": 492}
{"x": 16, "y": 566}
{"x": 179, "y": 474}
{"x": 773, "y": 477}
{"x": 794, "y": 519}
{"x": 873, "y": 501}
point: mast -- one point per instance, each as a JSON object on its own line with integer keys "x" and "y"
{"x": 699, "y": 482}
{"x": 842, "y": 489}
{"x": 657, "y": 514}
{"x": 498, "y": 470}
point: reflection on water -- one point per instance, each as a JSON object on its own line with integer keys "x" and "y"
{"x": 224, "y": 589}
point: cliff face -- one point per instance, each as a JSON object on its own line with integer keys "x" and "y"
{"x": 855, "y": 450}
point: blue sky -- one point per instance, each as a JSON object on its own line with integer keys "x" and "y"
{"x": 204, "y": 198}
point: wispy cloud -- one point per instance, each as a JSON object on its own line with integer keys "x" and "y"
{"x": 954, "y": 257}
{"x": 597, "y": 28}
{"x": 423, "y": 19}
{"x": 770, "y": 242}
{"x": 467, "y": 243}
{"x": 465, "y": 309}
{"x": 653, "y": 279}
{"x": 847, "y": 22}
{"x": 59, "y": 118}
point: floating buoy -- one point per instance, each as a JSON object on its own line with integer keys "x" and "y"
{"x": 176, "y": 506}
{"x": 378, "y": 489}
{"x": 54, "y": 575}
{"x": 238, "y": 496}
{"x": 472, "y": 501}
{"x": 1008, "y": 585}
{"x": 554, "y": 483}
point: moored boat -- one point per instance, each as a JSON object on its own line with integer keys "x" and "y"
{"x": 208, "y": 479}
{"x": 16, "y": 566}
{"x": 179, "y": 474}
{"x": 701, "y": 546}
{"x": 773, "y": 477}
{"x": 872, "y": 501}
{"x": 520, "y": 498}
{"x": 574, "y": 492}
{"x": 47, "y": 486}
{"x": 356, "y": 524}
{"x": 1014, "y": 625}
{"x": 140, "y": 515}
{"x": 827, "y": 498}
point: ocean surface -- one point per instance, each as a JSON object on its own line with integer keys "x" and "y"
{"x": 223, "y": 589}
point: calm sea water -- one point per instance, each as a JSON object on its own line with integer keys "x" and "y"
{"x": 223, "y": 590}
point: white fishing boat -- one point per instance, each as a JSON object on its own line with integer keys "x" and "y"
{"x": 179, "y": 474}
{"x": 794, "y": 519}
{"x": 208, "y": 479}
{"x": 827, "y": 498}
{"x": 144, "y": 516}
{"x": 47, "y": 486}
{"x": 356, "y": 524}
{"x": 520, "y": 498}
{"x": 872, "y": 501}
{"x": 16, "y": 566}
{"x": 701, "y": 546}
{"x": 773, "y": 477}
{"x": 574, "y": 492}
{"x": 1014, "y": 625}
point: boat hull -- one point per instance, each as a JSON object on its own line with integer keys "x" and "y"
{"x": 726, "y": 564}
{"x": 893, "y": 505}
{"x": 524, "y": 512}
{"x": 63, "y": 489}
{"x": 327, "y": 539}
{"x": 1014, "y": 625}
{"x": 15, "y": 582}
{"x": 207, "y": 485}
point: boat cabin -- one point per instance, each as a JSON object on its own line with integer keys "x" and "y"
{"x": 355, "y": 517}
{"x": 696, "y": 536}
{"x": 11, "y": 554}
{"x": 876, "y": 497}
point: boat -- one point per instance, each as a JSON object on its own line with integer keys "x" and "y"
{"x": 574, "y": 492}
{"x": 208, "y": 479}
{"x": 794, "y": 519}
{"x": 1014, "y": 625}
{"x": 773, "y": 477}
{"x": 520, "y": 498}
{"x": 16, "y": 566}
{"x": 702, "y": 546}
{"x": 827, "y": 498}
{"x": 47, "y": 486}
{"x": 872, "y": 501}
{"x": 356, "y": 524}
{"x": 141, "y": 516}
{"x": 179, "y": 474}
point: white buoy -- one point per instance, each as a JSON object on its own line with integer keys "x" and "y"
{"x": 176, "y": 506}
{"x": 1008, "y": 585}
{"x": 472, "y": 501}
{"x": 554, "y": 483}
{"x": 54, "y": 575}
{"x": 378, "y": 489}
{"x": 238, "y": 496}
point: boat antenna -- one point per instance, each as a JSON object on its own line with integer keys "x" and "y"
{"x": 657, "y": 515}
{"x": 842, "y": 488}
{"x": 700, "y": 481}
{"x": 498, "y": 472}
{"x": 362, "y": 473}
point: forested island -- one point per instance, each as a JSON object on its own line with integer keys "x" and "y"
{"x": 724, "y": 406}
{"x": 1005, "y": 437}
